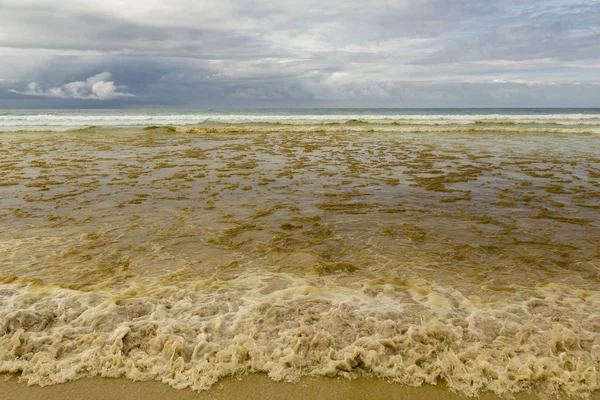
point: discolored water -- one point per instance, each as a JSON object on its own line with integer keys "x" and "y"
{"x": 413, "y": 250}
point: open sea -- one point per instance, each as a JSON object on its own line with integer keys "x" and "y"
{"x": 412, "y": 245}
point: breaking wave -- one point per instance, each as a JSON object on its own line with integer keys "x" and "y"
{"x": 64, "y": 122}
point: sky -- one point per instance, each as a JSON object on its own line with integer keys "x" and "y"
{"x": 300, "y": 53}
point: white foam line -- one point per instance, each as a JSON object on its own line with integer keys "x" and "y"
{"x": 46, "y": 121}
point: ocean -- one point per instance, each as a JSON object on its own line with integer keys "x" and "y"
{"x": 60, "y": 120}
{"x": 412, "y": 245}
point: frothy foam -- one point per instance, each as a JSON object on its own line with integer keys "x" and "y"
{"x": 61, "y": 122}
{"x": 418, "y": 334}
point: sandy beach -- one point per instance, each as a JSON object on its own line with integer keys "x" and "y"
{"x": 251, "y": 387}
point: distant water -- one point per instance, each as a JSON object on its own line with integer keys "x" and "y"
{"x": 416, "y": 246}
{"x": 57, "y": 120}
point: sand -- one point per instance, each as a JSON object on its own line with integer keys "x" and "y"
{"x": 256, "y": 386}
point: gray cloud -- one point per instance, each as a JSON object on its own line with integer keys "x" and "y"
{"x": 302, "y": 53}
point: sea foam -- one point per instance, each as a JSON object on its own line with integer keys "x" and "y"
{"x": 62, "y": 122}
{"x": 418, "y": 334}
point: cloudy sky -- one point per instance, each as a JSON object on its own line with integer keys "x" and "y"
{"x": 299, "y": 53}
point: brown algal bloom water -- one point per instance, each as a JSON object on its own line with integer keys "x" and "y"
{"x": 410, "y": 250}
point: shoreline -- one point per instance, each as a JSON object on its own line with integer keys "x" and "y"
{"x": 253, "y": 386}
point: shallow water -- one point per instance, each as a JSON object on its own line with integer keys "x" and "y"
{"x": 418, "y": 251}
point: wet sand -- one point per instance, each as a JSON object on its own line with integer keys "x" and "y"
{"x": 256, "y": 386}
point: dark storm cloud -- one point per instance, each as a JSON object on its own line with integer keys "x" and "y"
{"x": 300, "y": 53}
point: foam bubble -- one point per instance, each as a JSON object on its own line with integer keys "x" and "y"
{"x": 191, "y": 338}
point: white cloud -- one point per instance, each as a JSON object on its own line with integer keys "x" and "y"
{"x": 97, "y": 87}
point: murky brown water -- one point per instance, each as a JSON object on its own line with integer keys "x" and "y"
{"x": 398, "y": 250}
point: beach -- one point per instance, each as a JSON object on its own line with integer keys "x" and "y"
{"x": 338, "y": 253}
{"x": 248, "y": 387}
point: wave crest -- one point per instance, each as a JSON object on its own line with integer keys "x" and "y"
{"x": 61, "y": 122}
